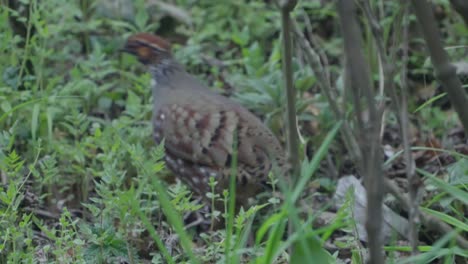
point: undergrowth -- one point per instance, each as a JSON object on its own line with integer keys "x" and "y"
{"x": 81, "y": 180}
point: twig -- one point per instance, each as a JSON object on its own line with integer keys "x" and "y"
{"x": 402, "y": 110}
{"x": 387, "y": 69}
{"x": 320, "y": 52}
{"x": 325, "y": 86}
{"x": 427, "y": 220}
{"x": 404, "y": 123}
{"x": 293, "y": 143}
{"x": 286, "y": 7}
{"x": 368, "y": 131}
{"x": 444, "y": 70}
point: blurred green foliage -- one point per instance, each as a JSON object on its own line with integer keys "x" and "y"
{"x": 76, "y": 152}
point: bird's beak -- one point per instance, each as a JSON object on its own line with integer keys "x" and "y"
{"x": 126, "y": 50}
{"x": 129, "y": 48}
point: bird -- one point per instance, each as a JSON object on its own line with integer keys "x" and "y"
{"x": 199, "y": 127}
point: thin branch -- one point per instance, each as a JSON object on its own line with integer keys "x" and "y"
{"x": 444, "y": 70}
{"x": 286, "y": 7}
{"x": 369, "y": 131}
{"x": 293, "y": 142}
{"x": 388, "y": 71}
{"x": 401, "y": 110}
{"x": 427, "y": 220}
{"x": 404, "y": 123}
{"x": 314, "y": 44}
{"x": 323, "y": 81}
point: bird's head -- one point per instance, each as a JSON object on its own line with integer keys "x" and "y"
{"x": 148, "y": 48}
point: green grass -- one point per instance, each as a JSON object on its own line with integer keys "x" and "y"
{"x": 81, "y": 180}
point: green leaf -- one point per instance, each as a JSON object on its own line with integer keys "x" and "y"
{"x": 133, "y": 104}
{"x": 273, "y": 242}
{"x": 35, "y": 120}
{"x": 4, "y": 115}
{"x": 141, "y": 18}
{"x": 50, "y": 121}
{"x": 428, "y": 102}
{"x": 306, "y": 249}
{"x": 5, "y": 106}
{"x": 458, "y": 172}
{"x": 308, "y": 167}
{"x": 241, "y": 38}
{"x": 305, "y": 83}
{"x": 272, "y": 220}
{"x": 451, "y": 190}
{"x": 447, "y": 219}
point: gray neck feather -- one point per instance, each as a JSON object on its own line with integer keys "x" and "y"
{"x": 163, "y": 69}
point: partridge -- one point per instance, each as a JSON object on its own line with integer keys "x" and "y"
{"x": 198, "y": 126}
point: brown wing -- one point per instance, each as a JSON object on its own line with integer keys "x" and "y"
{"x": 201, "y": 137}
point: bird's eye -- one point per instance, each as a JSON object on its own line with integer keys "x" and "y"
{"x": 144, "y": 52}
